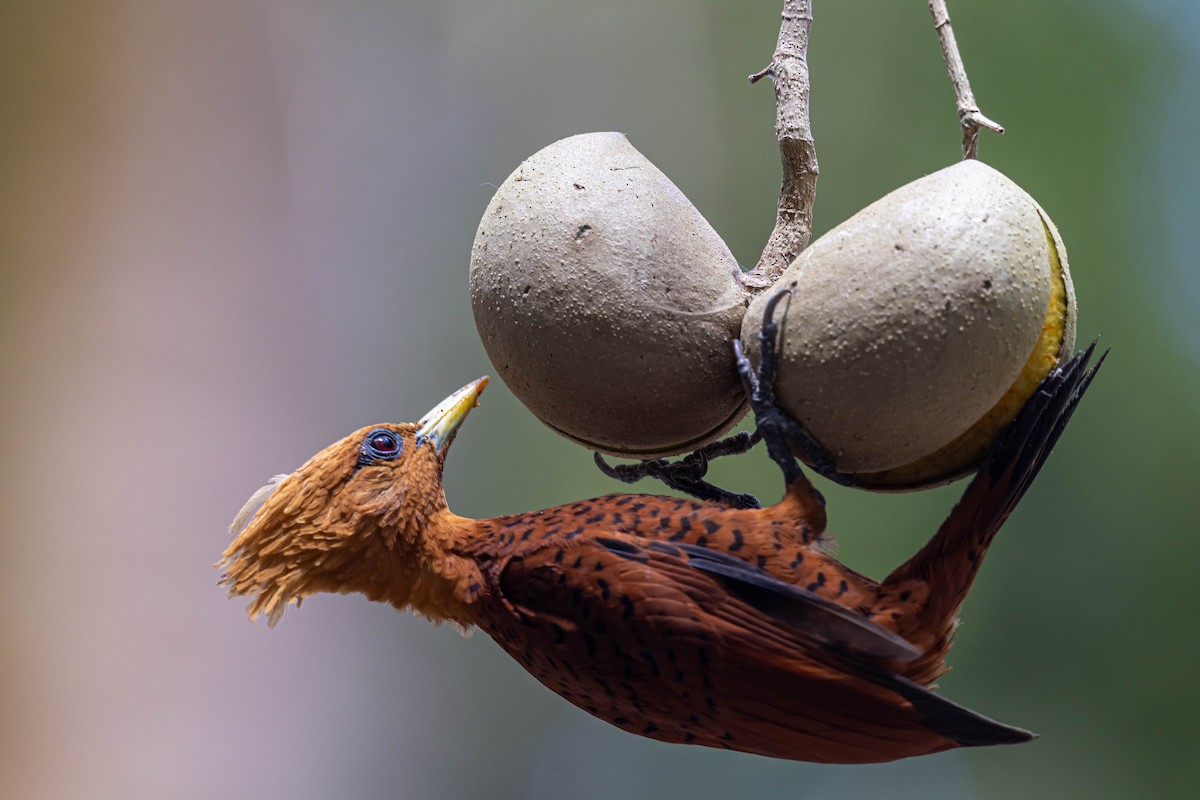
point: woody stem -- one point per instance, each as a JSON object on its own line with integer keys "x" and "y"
{"x": 788, "y": 71}
{"x": 969, "y": 116}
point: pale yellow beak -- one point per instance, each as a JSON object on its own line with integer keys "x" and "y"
{"x": 439, "y": 425}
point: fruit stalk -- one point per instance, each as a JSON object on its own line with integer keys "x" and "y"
{"x": 788, "y": 70}
{"x": 969, "y": 115}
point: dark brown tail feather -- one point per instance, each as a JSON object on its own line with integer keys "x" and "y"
{"x": 945, "y": 717}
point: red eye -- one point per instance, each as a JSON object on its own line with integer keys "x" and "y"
{"x": 384, "y": 443}
{"x": 379, "y": 445}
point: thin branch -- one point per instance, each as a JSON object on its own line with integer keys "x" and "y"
{"x": 969, "y": 115}
{"x": 788, "y": 70}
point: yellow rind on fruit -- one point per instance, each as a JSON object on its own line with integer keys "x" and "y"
{"x": 963, "y": 454}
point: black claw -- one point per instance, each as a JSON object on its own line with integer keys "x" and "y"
{"x": 783, "y": 435}
{"x": 810, "y": 450}
{"x": 768, "y": 339}
{"x": 687, "y": 474}
{"x": 745, "y": 370}
{"x": 625, "y": 473}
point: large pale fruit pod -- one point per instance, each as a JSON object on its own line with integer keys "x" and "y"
{"x": 607, "y": 303}
{"x": 919, "y": 326}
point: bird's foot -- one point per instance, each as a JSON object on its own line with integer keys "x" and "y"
{"x": 687, "y": 474}
{"x": 782, "y": 434}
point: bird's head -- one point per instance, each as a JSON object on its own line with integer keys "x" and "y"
{"x": 351, "y": 519}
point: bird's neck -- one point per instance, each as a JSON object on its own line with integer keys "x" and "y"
{"x": 434, "y": 578}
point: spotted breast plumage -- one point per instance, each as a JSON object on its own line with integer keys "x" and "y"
{"x": 682, "y": 620}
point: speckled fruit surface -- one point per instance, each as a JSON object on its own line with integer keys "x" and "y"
{"x": 607, "y": 303}
{"x": 912, "y": 321}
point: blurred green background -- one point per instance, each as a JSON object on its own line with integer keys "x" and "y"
{"x": 232, "y": 231}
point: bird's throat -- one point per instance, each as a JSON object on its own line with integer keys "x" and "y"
{"x": 434, "y": 580}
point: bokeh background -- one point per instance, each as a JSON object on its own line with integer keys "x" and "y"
{"x": 232, "y": 231}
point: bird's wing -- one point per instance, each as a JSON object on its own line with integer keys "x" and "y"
{"x": 717, "y": 578}
{"x": 807, "y": 612}
{"x": 785, "y": 671}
